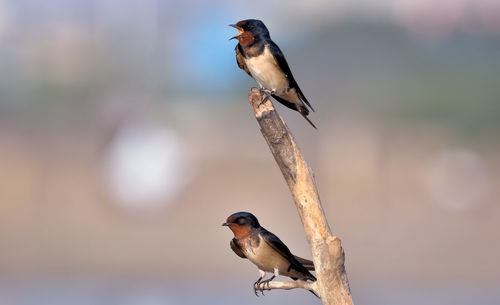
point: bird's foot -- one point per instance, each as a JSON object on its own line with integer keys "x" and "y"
{"x": 255, "y": 285}
{"x": 267, "y": 281}
{"x": 267, "y": 94}
{"x": 261, "y": 285}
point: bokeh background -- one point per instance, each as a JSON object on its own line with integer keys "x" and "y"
{"x": 126, "y": 139}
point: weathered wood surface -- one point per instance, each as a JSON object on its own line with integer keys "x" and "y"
{"x": 328, "y": 256}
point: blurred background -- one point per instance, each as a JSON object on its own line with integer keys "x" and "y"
{"x": 126, "y": 139}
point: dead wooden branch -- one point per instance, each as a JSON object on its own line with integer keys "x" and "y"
{"x": 328, "y": 256}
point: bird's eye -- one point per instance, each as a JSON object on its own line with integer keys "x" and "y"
{"x": 241, "y": 221}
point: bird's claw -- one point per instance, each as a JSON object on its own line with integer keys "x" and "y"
{"x": 267, "y": 93}
{"x": 255, "y": 285}
{"x": 261, "y": 285}
{"x": 257, "y": 288}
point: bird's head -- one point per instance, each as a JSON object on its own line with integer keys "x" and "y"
{"x": 250, "y": 31}
{"x": 241, "y": 223}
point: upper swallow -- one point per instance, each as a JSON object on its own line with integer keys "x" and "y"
{"x": 263, "y": 60}
{"x": 265, "y": 250}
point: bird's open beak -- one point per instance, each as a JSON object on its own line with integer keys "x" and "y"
{"x": 226, "y": 224}
{"x": 240, "y": 30}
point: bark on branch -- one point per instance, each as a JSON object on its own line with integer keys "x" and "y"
{"x": 328, "y": 255}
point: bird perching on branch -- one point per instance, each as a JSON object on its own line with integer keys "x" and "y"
{"x": 265, "y": 250}
{"x": 263, "y": 60}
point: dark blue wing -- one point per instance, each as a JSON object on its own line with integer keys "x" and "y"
{"x": 280, "y": 59}
{"x": 282, "y": 249}
{"x": 236, "y": 248}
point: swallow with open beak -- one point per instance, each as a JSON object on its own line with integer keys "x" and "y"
{"x": 265, "y": 250}
{"x": 262, "y": 59}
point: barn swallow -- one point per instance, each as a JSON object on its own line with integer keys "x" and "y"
{"x": 262, "y": 59}
{"x": 265, "y": 250}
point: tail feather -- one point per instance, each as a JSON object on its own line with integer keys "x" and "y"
{"x": 314, "y": 294}
{"x": 302, "y": 109}
{"x": 307, "y": 119}
{"x": 303, "y": 98}
{"x": 309, "y": 265}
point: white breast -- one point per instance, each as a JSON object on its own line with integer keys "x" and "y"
{"x": 266, "y": 71}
